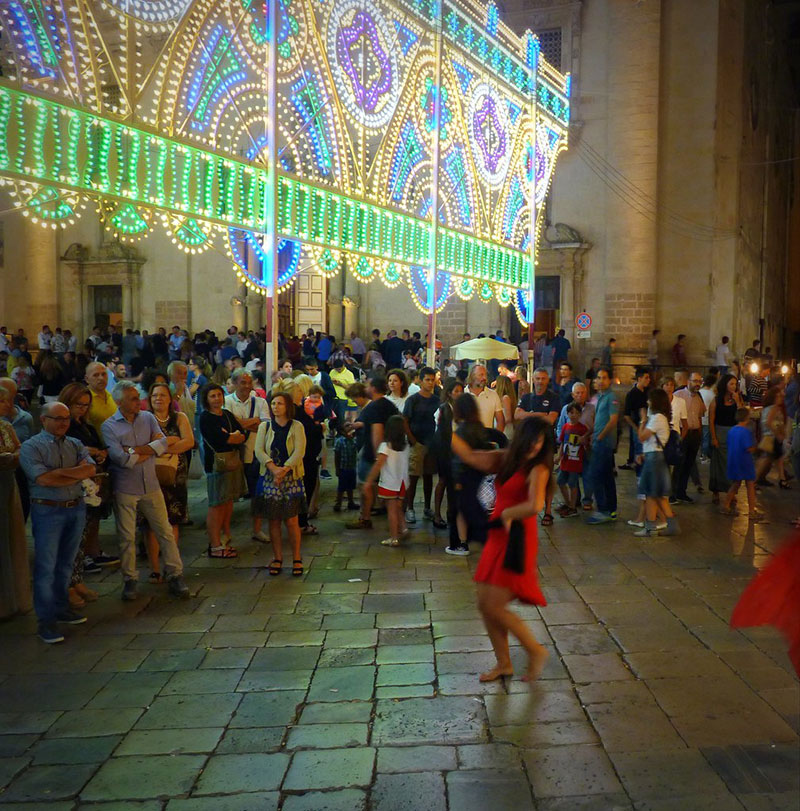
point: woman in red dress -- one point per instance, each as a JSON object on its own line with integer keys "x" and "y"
{"x": 521, "y": 487}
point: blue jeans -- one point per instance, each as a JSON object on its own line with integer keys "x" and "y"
{"x": 602, "y": 477}
{"x": 57, "y": 535}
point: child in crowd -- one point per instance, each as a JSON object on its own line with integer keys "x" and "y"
{"x": 391, "y": 471}
{"x": 345, "y": 453}
{"x": 450, "y": 368}
{"x": 408, "y": 360}
{"x": 741, "y": 467}
{"x": 571, "y": 453}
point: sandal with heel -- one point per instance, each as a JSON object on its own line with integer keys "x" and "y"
{"x": 222, "y": 552}
{"x": 275, "y": 567}
{"x": 297, "y": 568}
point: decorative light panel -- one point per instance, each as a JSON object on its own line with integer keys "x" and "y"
{"x": 158, "y": 111}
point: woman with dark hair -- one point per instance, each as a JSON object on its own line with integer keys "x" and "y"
{"x": 654, "y": 481}
{"x": 149, "y": 378}
{"x": 469, "y": 435}
{"x": 281, "y": 496}
{"x": 441, "y": 449}
{"x": 77, "y": 398}
{"x": 397, "y": 381}
{"x": 175, "y": 424}
{"x": 222, "y": 436}
{"x": 51, "y": 377}
{"x": 773, "y": 433}
{"x": 521, "y": 487}
{"x": 721, "y": 418}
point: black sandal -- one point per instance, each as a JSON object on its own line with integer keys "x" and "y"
{"x": 439, "y": 523}
{"x": 547, "y": 520}
{"x": 297, "y": 568}
{"x": 275, "y": 567}
{"x": 222, "y": 551}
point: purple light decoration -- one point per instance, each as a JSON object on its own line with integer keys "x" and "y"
{"x": 363, "y": 25}
{"x": 488, "y": 114}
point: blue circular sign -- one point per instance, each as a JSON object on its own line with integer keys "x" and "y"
{"x": 583, "y": 321}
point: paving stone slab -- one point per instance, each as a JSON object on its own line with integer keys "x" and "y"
{"x": 404, "y": 636}
{"x": 539, "y": 736}
{"x": 277, "y": 708}
{"x": 45, "y": 783}
{"x": 409, "y": 792}
{"x": 228, "y": 774}
{"x": 227, "y": 658}
{"x": 396, "y": 759}
{"x": 477, "y": 790}
{"x": 257, "y": 739}
{"x": 357, "y": 638}
{"x": 667, "y": 774}
{"x": 533, "y": 707}
{"x": 10, "y": 767}
{"x": 91, "y": 723}
{"x": 14, "y": 745}
{"x": 188, "y": 682}
{"x": 564, "y": 771}
{"x": 73, "y": 750}
{"x": 348, "y": 622}
{"x": 14, "y": 723}
{"x": 651, "y": 730}
{"x": 238, "y": 802}
{"x": 173, "y": 660}
{"x": 344, "y": 712}
{"x": 497, "y": 756}
{"x": 394, "y": 603}
{"x": 346, "y": 657}
{"x": 129, "y": 690}
{"x": 327, "y": 736}
{"x": 291, "y": 658}
{"x": 444, "y": 719}
{"x": 330, "y": 768}
{"x": 182, "y": 712}
{"x": 463, "y": 644}
{"x": 405, "y": 690}
{"x": 349, "y": 799}
{"x": 596, "y": 667}
{"x": 169, "y": 741}
{"x": 42, "y": 692}
{"x": 405, "y": 654}
{"x": 132, "y": 778}
{"x": 591, "y": 802}
{"x": 342, "y": 684}
{"x": 415, "y": 619}
{"x": 389, "y": 675}
{"x": 259, "y": 680}
{"x": 238, "y": 622}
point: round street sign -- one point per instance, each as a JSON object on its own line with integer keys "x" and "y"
{"x": 583, "y": 321}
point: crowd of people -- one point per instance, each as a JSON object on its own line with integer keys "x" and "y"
{"x": 127, "y": 421}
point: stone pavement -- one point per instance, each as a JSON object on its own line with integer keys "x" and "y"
{"x": 355, "y": 687}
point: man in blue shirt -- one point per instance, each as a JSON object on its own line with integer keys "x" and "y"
{"x": 55, "y": 464}
{"x": 324, "y": 349}
{"x": 604, "y": 438}
{"x": 134, "y": 439}
{"x": 561, "y": 347}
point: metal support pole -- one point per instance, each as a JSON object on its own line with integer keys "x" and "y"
{"x": 435, "y": 150}
{"x": 532, "y": 235}
{"x": 270, "y": 268}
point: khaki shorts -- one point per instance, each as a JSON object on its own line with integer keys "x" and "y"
{"x": 420, "y": 462}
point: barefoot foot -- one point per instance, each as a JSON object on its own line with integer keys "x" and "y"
{"x": 496, "y": 673}
{"x": 536, "y": 664}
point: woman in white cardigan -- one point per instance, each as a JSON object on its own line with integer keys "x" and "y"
{"x": 280, "y": 495}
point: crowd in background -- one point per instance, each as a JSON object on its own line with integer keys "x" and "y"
{"x": 129, "y": 418}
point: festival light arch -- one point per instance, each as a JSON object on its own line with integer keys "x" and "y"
{"x": 407, "y": 140}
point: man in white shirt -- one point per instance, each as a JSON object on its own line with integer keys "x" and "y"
{"x": 723, "y": 355}
{"x": 45, "y": 336}
{"x": 489, "y": 405}
{"x": 357, "y": 347}
{"x": 251, "y": 411}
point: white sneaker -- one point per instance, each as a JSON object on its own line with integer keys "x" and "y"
{"x": 411, "y": 517}
{"x": 260, "y": 537}
{"x": 390, "y": 542}
{"x": 461, "y": 551}
{"x": 639, "y": 524}
{"x": 661, "y": 525}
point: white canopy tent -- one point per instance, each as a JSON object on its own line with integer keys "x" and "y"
{"x": 484, "y": 349}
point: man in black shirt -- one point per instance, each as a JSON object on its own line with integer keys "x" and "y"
{"x": 372, "y": 422}
{"x": 635, "y": 401}
{"x": 545, "y": 403}
{"x": 393, "y": 351}
{"x": 420, "y": 413}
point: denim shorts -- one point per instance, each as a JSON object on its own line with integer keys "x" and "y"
{"x": 655, "y": 481}
{"x": 363, "y": 468}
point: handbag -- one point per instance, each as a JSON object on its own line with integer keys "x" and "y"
{"x": 487, "y": 495}
{"x": 226, "y": 461}
{"x": 514, "y": 559}
{"x": 167, "y": 469}
{"x": 767, "y": 444}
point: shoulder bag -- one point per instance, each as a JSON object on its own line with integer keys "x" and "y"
{"x": 673, "y": 452}
{"x": 226, "y": 461}
{"x": 167, "y": 469}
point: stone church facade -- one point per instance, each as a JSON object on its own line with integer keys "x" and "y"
{"x": 671, "y": 209}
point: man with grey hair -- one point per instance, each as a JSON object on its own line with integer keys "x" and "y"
{"x": 579, "y": 395}
{"x": 489, "y": 406}
{"x": 251, "y": 411}
{"x": 55, "y": 465}
{"x": 178, "y": 373}
{"x": 134, "y": 440}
